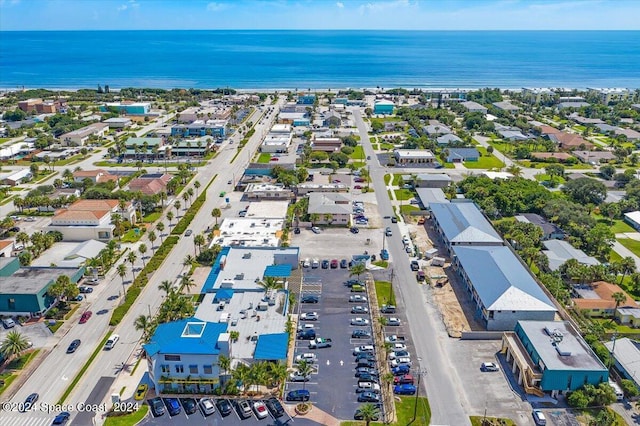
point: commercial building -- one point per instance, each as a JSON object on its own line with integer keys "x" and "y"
{"x": 81, "y": 136}
{"x": 118, "y": 122}
{"x": 558, "y": 252}
{"x": 211, "y": 112}
{"x": 42, "y": 107}
{"x": 23, "y": 291}
{"x": 429, "y": 196}
{"x": 309, "y": 187}
{"x": 432, "y": 180}
{"x": 214, "y": 128}
{"x": 535, "y": 95}
{"x": 328, "y": 145}
{"x": 150, "y": 184}
{"x": 294, "y": 118}
{"x": 278, "y": 139}
{"x": 306, "y": 99}
{"x": 267, "y": 191}
{"x": 144, "y": 147}
{"x": 330, "y": 208}
{"x": 463, "y": 224}
{"x": 383, "y": 107}
{"x": 551, "y": 358}
{"x": 414, "y": 156}
{"x": 128, "y": 108}
{"x": 69, "y": 255}
{"x": 502, "y": 288}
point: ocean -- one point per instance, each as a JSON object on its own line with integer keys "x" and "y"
{"x": 320, "y": 59}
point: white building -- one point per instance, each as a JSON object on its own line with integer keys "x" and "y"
{"x": 413, "y": 156}
{"x": 81, "y": 136}
{"x": 472, "y": 106}
{"x": 18, "y": 177}
{"x": 265, "y": 191}
{"x": 331, "y": 208}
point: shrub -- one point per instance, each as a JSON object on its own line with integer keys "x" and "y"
{"x": 189, "y": 215}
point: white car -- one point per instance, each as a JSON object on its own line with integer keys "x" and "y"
{"x": 357, "y": 298}
{"x": 363, "y": 348}
{"x": 297, "y": 377}
{"x": 393, "y": 321}
{"x": 402, "y": 360}
{"x": 207, "y": 407}
{"x": 315, "y": 229}
{"x": 310, "y": 357}
{"x": 112, "y": 341}
{"x": 309, "y": 316}
{"x": 399, "y": 354}
{"x": 398, "y": 347}
{"x": 306, "y": 263}
{"x": 260, "y": 409}
{"x": 368, "y": 386}
{"x": 489, "y": 366}
{"x": 359, "y": 321}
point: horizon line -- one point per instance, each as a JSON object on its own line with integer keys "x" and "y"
{"x": 320, "y": 29}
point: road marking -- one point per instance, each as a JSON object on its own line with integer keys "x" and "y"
{"x": 341, "y": 362}
{"x": 328, "y": 362}
{"x": 65, "y": 378}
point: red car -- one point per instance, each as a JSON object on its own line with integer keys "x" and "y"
{"x": 357, "y": 187}
{"x": 275, "y": 159}
{"x": 406, "y": 379}
{"x": 85, "y": 316}
{"x": 358, "y": 180}
{"x": 334, "y": 263}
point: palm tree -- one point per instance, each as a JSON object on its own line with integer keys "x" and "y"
{"x": 142, "y": 248}
{"x": 198, "y": 242}
{"x": 224, "y": 363}
{"x": 515, "y": 170}
{"x": 170, "y": 217}
{"x": 369, "y": 413}
{"x": 270, "y": 283}
{"x": 278, "y": 373}
{"x": 619, "y": 297}
{"x": 186, "y": 282}
{"x": 131, "y": 258}
{"x": 177, "y": 205}
{"x": 13, "y": 344}
{"x": 122, "y": 272}
{"x": 152, "y": 238}
{"x": 216, "y": 213}
{"x": 627, "y": 266}
{"x": 304, "y": 369}
{"x": 357, "y": 269}
{"x": 166, "y": 286}
{"x": 185, "y": 198}
{"x": 197, "y": 186}
{"x": 188, "y": 260}
{"x": 144, "y": 323}
{"x": 160, "y": 228}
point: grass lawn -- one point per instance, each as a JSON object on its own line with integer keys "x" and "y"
{"x": 618, "y": 227}
{"x": 632, "y": 245}
{"x": 375, "y": 146}
{"x": 404, "y": 410}
{"x": 614, "y": 257}
{"x": 408, "y": 208}
{"x": 387, "y": 179}
{"x": 358, "y": 153}
{"x": 545, "y": 177}
{"x": 386, "y": 146}
{"x": 7, "y": 378}
{"x": 613, "y": 326}
{"x": 22, "y": 361}
{"x": 397, "y": 179}
{"x": 588, "y": 415}
{"x": 55, "y": 327}
{"x": 383, "y": 290}
{"x": 152, "y": 217}
{"x": 497, "y": 421}
{"x": 486, "y": 161}
{"x": 264, "y": 157}
{"x": 131, "y": 236}
{"x": 448, "y": 165}
{"x": 403, "y": 194}
{"x": 381, "y": 263}
{"x": 128, "y": 419}
{"x": 3, "y": 140}
{"x": 359, "y": 164}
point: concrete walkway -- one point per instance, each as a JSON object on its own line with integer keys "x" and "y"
{"x": 315, "y": 415}
{"x": 625, "y": 252}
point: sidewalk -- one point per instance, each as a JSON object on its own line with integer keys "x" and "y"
{"x": 316, "y": 415}
{"x": 625, "y": 252}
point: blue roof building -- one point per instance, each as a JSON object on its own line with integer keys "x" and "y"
{"x": 183, "y": 355}
{"x": 501, "y": 287}
{"x": 306, "y": 99}
{"x": 272, "y": 347}
{"x": 551, "y": 358}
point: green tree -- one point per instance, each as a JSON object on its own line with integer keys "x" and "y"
{"x": 131, "y": 258}
{"x": 619, "y": 297}
{"x": 146, "y": 324}
{"x": 152, "y": 237}
{"x": 216, "y": 213}
{"x": 369, "y": 413}
{"x": 357, "y": 269}
{"x": 122, "y": 272}
{"x": 166, "y": 286}
{"x": 304, "y": 369}
{"x": 142, "y": 248}
{"x": 160, "y": 228}
{"x": 578, "y": 399}
{"x": 585, "y": 190}
{"x": 629, "y": 388}
{"x": 13, "y": 344}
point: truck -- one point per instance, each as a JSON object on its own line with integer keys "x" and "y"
{"x": 394, "y": 338}
{"x": 319, "y": 343}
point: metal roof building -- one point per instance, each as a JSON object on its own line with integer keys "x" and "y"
{"x": 463, "y": 223}
{"x": 503, "y": 289}
{"x": 558, "y": 252}
{"x": 626, "y": 353}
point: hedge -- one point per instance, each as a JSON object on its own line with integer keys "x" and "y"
{"x": 182, "y": 225}
{"x": 142, "y": 279}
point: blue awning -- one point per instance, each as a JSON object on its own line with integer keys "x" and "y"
{"x": 272, "y": 347}
{"x": 278, "y": 271}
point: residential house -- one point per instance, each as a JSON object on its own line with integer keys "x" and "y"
{"x": 633, "y": 219}
{"x": 20, "y": 148}
{"x": 81, "y": 136}
{"x": 472, "y": 106}
{"x": 551, "y": 358}
{"x": 513, "y": 134}
{"x": 506, "y": 106}
{"x": 18, "y": 177}
{"x": 24, "y": 290}
{"x": 598, "y": 300}
{"x": 432, "y": 180}
{"x": 95, "y": 176}
{"x": 630, "y": 134}
{"x": 331, "y": 118}
{"x": 594, "y": 157}
{"x": 127, "y": 107}
{"x": 584, "y": 120}
{"x": 118, "y": 122}
{"x": 501, "y": 286}
{"x": 548, "y": 130}
{"x": 150, "y": 184}
{"x": 570, "y": 141}
{"x": 550, "y": 231}
{"x": 574, "y": 104}
{"x": 331, "y": 208}
{"x": 626, "y": 354}
{"x": 6, "y": 248}
{"x": 384, "y": 107}
{"x": 560, "y": 157}
{"x": 435, "y": 128}
{"x": 414, "y": 156}
{"x": 448, "y": 139}
{"x": 328, "y": 145}
{"x": 458, "y": 155}
{"x": 558, "y": 252}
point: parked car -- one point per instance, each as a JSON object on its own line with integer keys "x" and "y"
{"x": 343, "y": 263}
{"x": 367, "y": 377}
{"x": 308, "y": 334}
{"x": 309, "y": 299}
{"x": 354, "y": 230}
{"x": 260, "y": 409}
{"x": 398, "y": 347}
{"x": 173, "y": 406}
{"x": 85, "y": 316}
{"x": 365, "y": 356}
{"x": 157, "y": 407}
{"x": 360, "y": 334}
{"x": 352, "y": 282}
{"x": 141, "y": 391}
{"x": 368, "y": 397}
{"x": 366, "y": 372}
{"x": 399, "y": 354}
{"x": 388, "y": 232}
{"x": 243, "y": 408}
{"x": 539, "y": 418}
{"x": 310, "y": 357}
{"x": 298, "y": 395}
{"x": 394, "y": 219}
{"x": 489, "y": 366}
{"x": 306, "y": 263}
{"x": 415, "y": 265}
{"x": 403, "y": 380}
{"x": 401, "y": 360}
{"x": 334, "y": 263}
{"x": 189, "y": 404}
{"x": 309, "y": 316}
{"x": 400, "y": 370}
{"x": 406, "y": 389}
{"x": 207, "y": 407}
{"x": 325, "y": 264}
{"x": 297, "y": 377}
{"x": 363, "y": 348}
{"x": 296, "y": 230}
{"x": 365, "y": 363}
{"x": 315, "y": 229}
{"x": 357, "y": 298}
{"x": 357, "y": 289}
{"x": 275, "y": 408}
{"x": 359, "y": 321}
{"x": 393, "y": 321}
{"x": 85, "y": 289}
{"x": 224, "y": 407}
{"x": 388, "y": 309}
{"x": 61, "y": 418}
{"x": 359, "y": 310}
{"x": 112, "y": 342}
{"x": 73, "y": 346}
{"x": 367, "y": 386}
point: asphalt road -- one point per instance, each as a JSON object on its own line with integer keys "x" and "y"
{"x": 444, "y": 388}
{"x": 56, "y": 371}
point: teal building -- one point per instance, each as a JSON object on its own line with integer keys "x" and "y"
{"x": 128, "y": 108}
{"x": 23, "y": 291}
{"x": 383, "y": 107}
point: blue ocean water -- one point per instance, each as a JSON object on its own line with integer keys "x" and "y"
{"x": 320, "y": 59}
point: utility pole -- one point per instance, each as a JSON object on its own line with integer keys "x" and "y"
{"x": 420, "y": 372}
{"x": 391, "y": 287}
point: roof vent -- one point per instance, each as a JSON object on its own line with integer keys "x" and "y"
{"x": 246, "y": 255}
{"x": 239, "y": 276}
{"x": 562, "y": 352}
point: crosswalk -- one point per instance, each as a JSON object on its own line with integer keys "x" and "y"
{"x": 26, "y": 419}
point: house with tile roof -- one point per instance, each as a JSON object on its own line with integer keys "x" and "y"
{"x": 570, "y": 141}
{"x": 95, "y": 176}
{"x": 150, "y": 184}
{"x": 597, "y": 300}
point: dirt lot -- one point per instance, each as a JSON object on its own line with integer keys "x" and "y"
{"x": 453, "y": 302}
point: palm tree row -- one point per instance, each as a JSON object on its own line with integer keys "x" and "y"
{"x": 270, "y": 374}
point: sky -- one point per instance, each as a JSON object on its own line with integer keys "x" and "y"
{"x": 320, "y": 14}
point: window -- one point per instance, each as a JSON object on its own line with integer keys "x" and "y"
{"x": 208, "y": 369}
{"x": 172, "y": 357}
{"x": 193, "y": 369}
{"x": 165, "y": 369}
{"x": 12, "y": 304}
{"x": 179, "y": 368}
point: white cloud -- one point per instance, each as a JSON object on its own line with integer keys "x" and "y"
{"x": 340, "y": 5}
{"x": 122, "y": 7}
{"x": 216, "y": 7}
{"x": 133, "y": 4}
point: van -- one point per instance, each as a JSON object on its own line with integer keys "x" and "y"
{"x": 617, "y": 390}
{"x": 8, "y": 323}
{"x": 421, "y": 276}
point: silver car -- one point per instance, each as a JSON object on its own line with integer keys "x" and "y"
{"x": 207, "y": 407}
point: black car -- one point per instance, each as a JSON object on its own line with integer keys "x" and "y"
{"x": 343, "y": 263}
{"x": 274, "y": 407}
{"x": 157, "y": 407}
{"x": 360, "y": 334}
{"x": 173, "y": 406}
{"x": 189, "y": 405}
{"x": 366, "y": 363}
{"x": 28, "y": 403}
{"x": 224, "y": 407}
{"x": 307, "y": 335}
{"x": 368, "y": 397}
{"x": 325, "y": 264}
{"x": 309, "y": 299}
{"x": 296, "y": 231}
{"x": 354, "y": 230}
{"x": 365, "y": 356}
{"x": 351, "y": 283}
{"x": 366, "y": 377}
{"x": 394, "y": 219}
{"x": 73, "y": 346}
{"x": 61, "y": 418}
